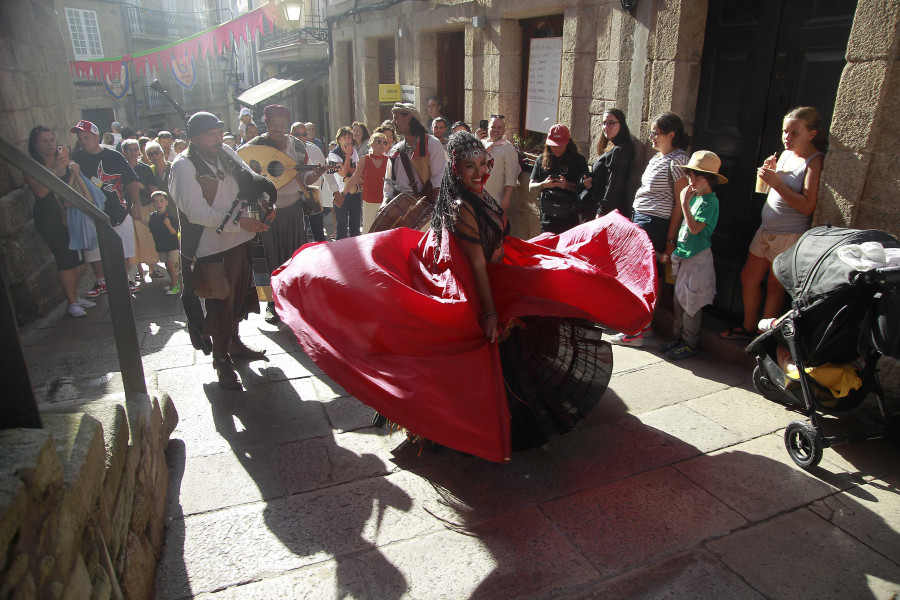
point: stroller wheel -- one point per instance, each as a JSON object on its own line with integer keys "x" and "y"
{"x": 804, "y": 444}
{"x": 766, "y": 388}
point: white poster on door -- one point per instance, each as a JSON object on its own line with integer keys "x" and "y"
{"x": 544, "y": 69}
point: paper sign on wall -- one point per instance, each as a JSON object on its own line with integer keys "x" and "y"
{"x": 544, "y": 69}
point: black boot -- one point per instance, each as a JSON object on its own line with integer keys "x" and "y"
{"x": 228, "y": 379}
{"x": 271, "y": 316}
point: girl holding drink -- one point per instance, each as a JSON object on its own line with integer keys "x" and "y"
{"x": 793, "y": 179}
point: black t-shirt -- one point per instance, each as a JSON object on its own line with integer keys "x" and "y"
{"x": 162, "y": 239}
{"x": 145, "y": 175}
{"x": 112, "y": 173}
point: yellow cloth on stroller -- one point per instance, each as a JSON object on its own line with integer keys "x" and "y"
{"x": 839, "y": 379}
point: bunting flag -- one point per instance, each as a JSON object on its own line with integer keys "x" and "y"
{"x": 213, "y": 41}
{"x": 184, "y": 72}
{"x": 116, "y": 82}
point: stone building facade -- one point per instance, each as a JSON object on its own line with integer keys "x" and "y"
{"x": 659, "y": 58}
{"x": 35, "y": 89}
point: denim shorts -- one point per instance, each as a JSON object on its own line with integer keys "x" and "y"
{"x": 656, "y": 227}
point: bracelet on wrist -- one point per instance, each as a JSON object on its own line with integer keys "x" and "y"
{"x": 670, "y": 241}
{"x": 488, "y": 314}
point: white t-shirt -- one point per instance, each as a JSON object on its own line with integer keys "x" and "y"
{"x": 505, "y": 172}
{"x": 656, "y": 196}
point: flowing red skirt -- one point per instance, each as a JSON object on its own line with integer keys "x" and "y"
{"x": 401, "y": 331}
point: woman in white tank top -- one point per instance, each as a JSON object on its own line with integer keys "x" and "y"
{"x": 794, "y": 182}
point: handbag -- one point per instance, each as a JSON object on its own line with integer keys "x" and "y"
{"x": 558, "y": 203}
{"x": 209, "y": 280}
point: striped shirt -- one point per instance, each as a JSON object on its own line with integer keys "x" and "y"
{"x": 656, "y": 196}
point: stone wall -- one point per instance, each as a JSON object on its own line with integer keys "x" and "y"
{"x": 82, "y": 502}
{"x": 861, "y": 178}
{"x": 35, "y": 89}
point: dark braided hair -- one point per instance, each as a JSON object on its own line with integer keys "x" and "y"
{"x": 453, "y": 193}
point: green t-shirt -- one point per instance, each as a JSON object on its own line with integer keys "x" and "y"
{"x": 705, "y": 210}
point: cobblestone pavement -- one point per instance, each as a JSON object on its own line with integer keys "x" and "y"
{"x": 677, "y": 486}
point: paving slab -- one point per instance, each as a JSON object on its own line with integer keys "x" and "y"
{"x": 663, "y": 384}
{"x": 640, "y": 519}
{"x": 691, "y": 427}
{"x": 486, "y": 561}
{"x": 870, "y": 513}
{"x": 687, "y": 576}
{"x": 215, "y": 481}
{"x": 801, "y": 555}
{"x": 567, "y": 464}
{"x": 626, "y": 358}
{"x": 329, "y": 580}
{"x": 743, "y": 412}
{"x": 757, "y": 478}
{"x": 209, "y": 551}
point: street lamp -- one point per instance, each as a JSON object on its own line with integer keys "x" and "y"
{"x": 294, "y": 10}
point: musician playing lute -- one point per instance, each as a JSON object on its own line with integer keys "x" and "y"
{"x": 288, "y": 231}
{"x": 204, "y": 187}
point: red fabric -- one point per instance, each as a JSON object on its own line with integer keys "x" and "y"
{"x": 403, "y": 335}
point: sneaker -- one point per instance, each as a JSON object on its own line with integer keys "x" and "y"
{"x": 85, "y": 303}
{"x": 174, "y": 290}
{"x": 673, "y": 343}
{"x": 623, "y": 339}
{"x": 681, "y": 351}
{"x": 133, "y": 286}
{"x": 75, "y": 311}
{"x": 99, "y": 288}
{"x": 157, "y": 274}
{"x": 647, "y": 332}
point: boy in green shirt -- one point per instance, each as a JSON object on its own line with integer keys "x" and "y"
{"x": 692, "y": 260}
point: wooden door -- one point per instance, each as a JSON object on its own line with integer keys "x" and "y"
{"x": 387, "y": 71}
{"x": 451, "y": 61}
{"x": 760, "y": 59}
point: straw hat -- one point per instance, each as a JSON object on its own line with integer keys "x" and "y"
{"x": 704, "y": 161}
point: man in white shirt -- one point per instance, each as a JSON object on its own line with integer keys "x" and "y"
{"x": 505, "y": 174}
{"x": 204, "y": 187}
{"x": 418, "y": 154}
{"x": 165, "y": 140}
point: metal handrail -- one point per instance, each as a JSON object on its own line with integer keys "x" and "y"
{"x": 114, "y": 268}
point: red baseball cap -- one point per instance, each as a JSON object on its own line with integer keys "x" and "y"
{"x": 85, "y": 126}
{"x": 559, "y": 135}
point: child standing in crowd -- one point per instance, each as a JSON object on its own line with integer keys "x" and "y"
{"x": 246, "y": 119}
{"x": 164, "y": 228}
{"x": 692, "y": 259}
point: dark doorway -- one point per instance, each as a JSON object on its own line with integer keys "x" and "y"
{"x": 760, "y": 59}
{"x": 351, "y": 90}
{"x": 451, "y": 60}
{"x": 101, "y": 117}
{"x": 387, "y": 71}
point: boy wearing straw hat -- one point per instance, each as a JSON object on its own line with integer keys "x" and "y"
{"x": 692, "y": 259}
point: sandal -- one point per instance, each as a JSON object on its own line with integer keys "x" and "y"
{"x": 157, "y": 274}
{"x": 738, "y": 332}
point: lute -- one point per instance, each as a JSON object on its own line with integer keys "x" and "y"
{"x": 275, "y": 165}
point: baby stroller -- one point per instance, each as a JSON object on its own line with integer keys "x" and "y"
{"x": 839, "y": 315}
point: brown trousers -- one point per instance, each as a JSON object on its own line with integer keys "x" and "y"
{"x": 223, "y": 316}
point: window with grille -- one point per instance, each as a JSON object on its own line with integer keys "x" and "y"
{"x": 85, "y": 33}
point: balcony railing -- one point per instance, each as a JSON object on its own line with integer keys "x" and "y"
{"x": 314, "y": 32}
{"x": 160, "y": 24}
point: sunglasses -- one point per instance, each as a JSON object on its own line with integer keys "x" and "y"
{"x": 498, "y": 116}
{"x": 382, "y": 142}
{"x": 301, "y": 134}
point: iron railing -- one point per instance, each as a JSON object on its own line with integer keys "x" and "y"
{"x": 314, "y": 32}
{"x": 113, "y": 257}
{"x": 157, "y": 23}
